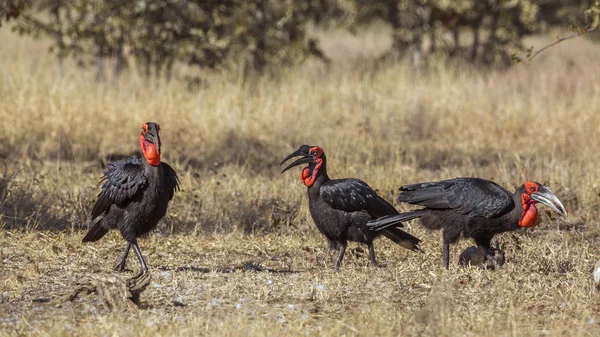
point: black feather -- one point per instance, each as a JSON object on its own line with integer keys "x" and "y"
{"x": 393, "y": 220}
{"x": 470, "y": 196}
{"x": 122, "y": 181}
{"x": 402, "y": 238}
{"x": 134, "y": 198}
{"x": 353, "y": 195}
{"x": 462, "y": 207}
{"x": 171, "y": 179}
{"x": 341, "y": 209}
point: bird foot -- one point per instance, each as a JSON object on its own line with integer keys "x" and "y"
{"x": 373, "y": 263}
{"x": 474, "y": 256}
{"x": 138, "y": 283}
{"x": 494, "y": 260}
{"x": 322, "y": 258}
{"x": 120, "y": 267}
{"x": 471, "y": 256}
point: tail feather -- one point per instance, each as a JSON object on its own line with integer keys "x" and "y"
{"x": 393, "y": 220}
{"x": 402, "y": 238}
{"x": 96, "y": 232}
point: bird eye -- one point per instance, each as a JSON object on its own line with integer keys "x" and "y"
{"x": 313, "y": 152}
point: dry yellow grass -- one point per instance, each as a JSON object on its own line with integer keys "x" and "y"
{"x": 388, "y": 126}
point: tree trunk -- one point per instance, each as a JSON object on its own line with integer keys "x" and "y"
{"x": 456, "y": 38}
{"x": 169, "y": 67}
{"x": 476, "y": 31}
{"x": 417, "y": 42}
{"x": 120, "y": 62}
{"x": 394, "y": 19}
{"x": 261, "y": 43}
{"x": 433, "y": 47}
{"x": 59, "y": 39}
{"x": 99, "y": 63}
{"x": 488, "y": 49}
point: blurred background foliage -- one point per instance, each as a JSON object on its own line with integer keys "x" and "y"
{"x": 264, "y": 35}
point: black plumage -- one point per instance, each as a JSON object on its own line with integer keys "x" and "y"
{"x": 341, "y": 208}
{"x": 471, "y": 208}
{"x": 135, "y": 195}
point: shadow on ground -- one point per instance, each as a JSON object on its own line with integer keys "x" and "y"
{"x": 21, "y": 208}
{"x": 249, "y": 266}
{"x": 254, "y": 155}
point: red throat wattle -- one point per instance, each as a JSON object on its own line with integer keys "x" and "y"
{"x": 309, "y": 173}
{"x": 529, "y": 217}
{"x": 150, "y": 153}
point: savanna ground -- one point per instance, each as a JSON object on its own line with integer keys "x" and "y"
{"x": 238, "y": 253}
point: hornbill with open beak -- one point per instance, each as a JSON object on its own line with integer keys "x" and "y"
{"x": 341, "y": 208}
{"x": 135, "y": 196}
{"x": 472, "y": 207}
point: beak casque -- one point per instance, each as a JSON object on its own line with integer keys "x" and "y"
{"x": 152, "y": 135}
{"x": 545, "y": 196}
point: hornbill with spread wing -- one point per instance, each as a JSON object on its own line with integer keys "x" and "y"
{"x": 473, "y": 208}
{"x": 135, "y": 196}
{"x": 341, "y": 208}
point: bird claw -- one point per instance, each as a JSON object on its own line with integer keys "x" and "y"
{"x": 323, "y": 257}
{"x": 493, "y": 259}
{"x": 120, "y": 267}
{"x": 138, "y": 283}
{"x": 379, "y": 265}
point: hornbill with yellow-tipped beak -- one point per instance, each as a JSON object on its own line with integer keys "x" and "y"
{"x": 341, "y": 208}
{"x": 135, "y": 196}
{"x": 472, "y": 208}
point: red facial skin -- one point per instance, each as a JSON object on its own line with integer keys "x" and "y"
{"x": 149, "y": 150}
{"x": 307, "y": 175}
{"x": 530, "y": 214}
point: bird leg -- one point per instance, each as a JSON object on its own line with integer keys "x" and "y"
{"x": 493, "y": 255}
{"x": 447, "y": 237}
{"x": 372, "y": 254}
{"x": 332, "y": 246}
{"x": 484, "y": 245}
{"x": 342, "y": 247}
{"x": 138, "y": 253}
{"x": 121, "y": 265}
{"x": 446, "y": 253}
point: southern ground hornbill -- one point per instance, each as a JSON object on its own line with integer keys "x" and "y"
{"x": 473, "y": 208}
{"x": 341, "y": 208}
{"x": 135, "y": 196}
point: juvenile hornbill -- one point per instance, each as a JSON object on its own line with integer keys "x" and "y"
{"x": 135, "y": 195}
{"x": 341, "y": 208}
{"x": 472, "y": 208}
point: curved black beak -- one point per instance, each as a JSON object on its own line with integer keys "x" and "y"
{"x": 152, "y": 135}
{"x": 545, "y": 196}
{"x": 154, "y": 140}
{"x": 303, "y": 160}
{"x": 306, "y": 158}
